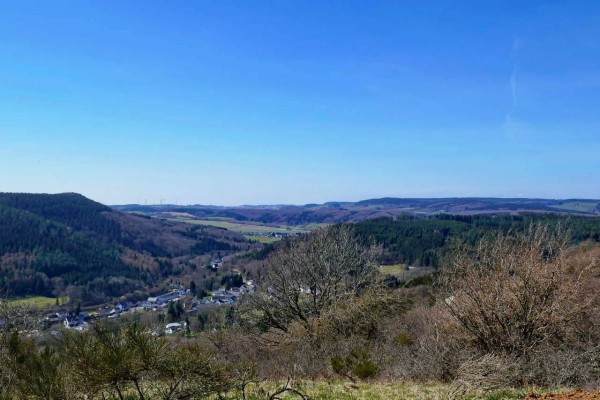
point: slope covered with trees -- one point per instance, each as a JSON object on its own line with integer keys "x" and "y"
{"x": 54, "y": 244}
{"x": 423, "y": 240}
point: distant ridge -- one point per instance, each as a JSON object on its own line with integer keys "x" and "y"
{"x": 342, "y": 211}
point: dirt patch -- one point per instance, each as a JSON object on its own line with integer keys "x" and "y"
{"x": 572, "y": 395}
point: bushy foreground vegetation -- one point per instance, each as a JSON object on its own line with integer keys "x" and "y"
{"x": 513, "y": 310}
{"x": 119, "y": 363}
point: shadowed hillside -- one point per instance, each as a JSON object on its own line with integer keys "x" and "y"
{"x": 53, "y": 244}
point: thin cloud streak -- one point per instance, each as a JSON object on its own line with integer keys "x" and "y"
{"x": 514, "y": 128}
{"x": 513, "y": 76}
{"x": 513, "y": 86}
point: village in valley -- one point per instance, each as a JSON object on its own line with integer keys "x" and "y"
{"x": 174, "y": 303}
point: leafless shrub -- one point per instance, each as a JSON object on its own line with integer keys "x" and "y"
{"x": 361, "y": 316}
{"x": 520, "y": 296}
{"x": 425, "y": 345}
{"x": 560, "y": 367}
{"x": 287, "y": 388}
{"x": 483, "y": 374}
{"x": 14, "y": 318}
{"x": 18, "y": 317}
{"x": 514, "y": 293}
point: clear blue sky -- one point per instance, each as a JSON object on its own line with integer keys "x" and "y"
{"x": 248, "y": 102}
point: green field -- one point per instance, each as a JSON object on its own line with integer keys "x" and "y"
{"x": 240, "y": 227}
{"x": 395, "y": 269}
{"x": 580, "y": 206}
{"x": 39, "y": 301}
{"x": 263, "y": 239}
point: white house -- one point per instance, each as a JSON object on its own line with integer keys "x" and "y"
{"x": 173, "y": 327}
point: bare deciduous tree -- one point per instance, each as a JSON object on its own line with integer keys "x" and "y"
{"x": 311, "y": 275}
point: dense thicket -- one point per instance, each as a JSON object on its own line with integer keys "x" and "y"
{"x": 515, "y": 308}
{"x": 206, "y": 245}
{"x": 108, "y": 363}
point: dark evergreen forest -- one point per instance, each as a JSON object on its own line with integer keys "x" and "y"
{"x": 423, "y": 241}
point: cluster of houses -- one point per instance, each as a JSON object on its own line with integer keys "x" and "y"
{"x": 218, "y": 297}
{"x": 164, "y": 299}
{"x": 70, "y": 320}
{"x": 276, "y": 235}
{"x": 223, "y": 296}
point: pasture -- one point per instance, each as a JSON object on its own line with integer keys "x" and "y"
{"x": 396, "y": 269}
{"x": 577, "y": 206}
{"x": 263, "y": 239}
{"x": 38, "y": 302}
{"x": 245, "y": 228}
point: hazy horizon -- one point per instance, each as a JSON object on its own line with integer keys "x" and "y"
{"x": 165, "y": 202}
{"x": 234, "y": 103}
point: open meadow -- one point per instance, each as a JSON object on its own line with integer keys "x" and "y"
{"x": 39, "y": 302}
{"x": 254, "y": 231}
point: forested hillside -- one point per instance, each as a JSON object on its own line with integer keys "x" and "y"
{"x": 71, "y": 209}
{"x": 422, "y": 241}
{"x": 68, "y": 244}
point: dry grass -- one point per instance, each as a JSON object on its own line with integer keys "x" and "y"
{"x": 341, "y": 390}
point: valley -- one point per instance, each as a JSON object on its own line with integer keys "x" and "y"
{"x": 247, "y": 295}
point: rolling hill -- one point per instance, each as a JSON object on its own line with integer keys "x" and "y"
{"x": 59, "y": 243}
{"x": 66, "y": 244}
{"x": 333, "y": 212}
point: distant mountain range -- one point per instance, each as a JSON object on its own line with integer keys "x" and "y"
{"x": 332, "y": 212}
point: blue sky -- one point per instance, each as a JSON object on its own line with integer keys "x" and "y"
{"x": 254, "y": 102}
